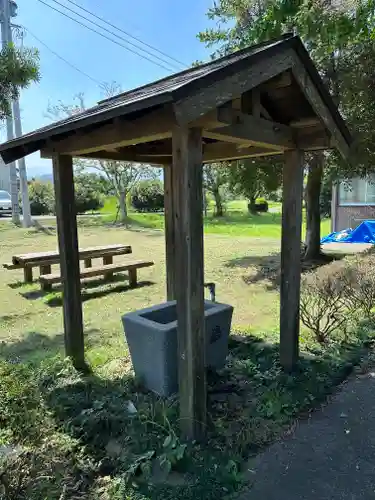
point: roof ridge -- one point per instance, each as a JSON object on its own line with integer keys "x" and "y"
{"x": 192, "y": 70}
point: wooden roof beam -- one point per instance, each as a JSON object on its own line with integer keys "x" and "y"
{"x": 313, "y": 139}
{"x": 305, "y": 122}
{"x": 153, "y": 126}
{"x": 225, "y": 152}
{"x": 279, "y": 82}
{"x": 253, "y": 131}
{"x": 211, "y": 152}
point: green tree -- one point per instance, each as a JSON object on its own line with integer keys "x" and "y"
{"x": 87, "y": 192}
{"x": 332, "y": 31}
{"x": 122, "y": 176}
{"x": 42, "y": 197}
{"x": 148, "y": 196}
{"x": 215, "y": 181}
{"x": 18, "y": 68}
{"x": 253, "y": 178}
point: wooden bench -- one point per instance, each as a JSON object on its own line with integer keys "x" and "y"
{"x": 44, "y": 260}
{"x": 10, "y": 266}
{"x": 47, "y": 280}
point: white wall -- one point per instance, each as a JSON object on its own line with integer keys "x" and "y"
{"x": 4, "y": 176}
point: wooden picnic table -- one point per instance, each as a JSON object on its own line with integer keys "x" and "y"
{"x": 53, "y": 257}
{"x": 44, "y": 260}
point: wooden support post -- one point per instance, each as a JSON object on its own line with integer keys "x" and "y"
{"x": 69, "y": 258}
{"x": 87, "y": 263}
{"x": 291, "y": 258}
{"x": 28, "y": 274}
{"x": 45, "y": 269}
{"x": 188, "y": 223}
{"x": 170, "y": 244}
{"x": 108, "y": 259}
{"x": 133, "y": 278}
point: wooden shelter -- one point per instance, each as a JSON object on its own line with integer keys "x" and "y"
{"x": 264, "y": 100}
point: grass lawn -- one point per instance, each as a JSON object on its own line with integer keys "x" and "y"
{"x": 76, "y": 437}
{"x": 236, "y": 222}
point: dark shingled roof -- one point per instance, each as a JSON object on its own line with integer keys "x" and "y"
{"x": 168, "y": 89}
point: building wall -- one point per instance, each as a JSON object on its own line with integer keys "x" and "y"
{"x": 352, "y": 216}
{"x": 4, "y": 176}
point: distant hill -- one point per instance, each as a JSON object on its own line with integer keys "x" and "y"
{"x": 44, "y": 177}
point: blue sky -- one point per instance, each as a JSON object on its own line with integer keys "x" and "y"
{"x": 169, "y": 25}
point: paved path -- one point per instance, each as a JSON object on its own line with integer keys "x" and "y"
{"x": 329, "y": 457}
{"x": 346, "y": 247}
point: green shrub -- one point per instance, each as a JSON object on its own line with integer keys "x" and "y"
{"x": 87, "y": 195}
{"x": 148, "y": 196}
{"x": 326, "y": 299}
{"x": 360, "y": 279}
{"x": 261, "y": 205}
{"x": 333, "y": 294}
{"x": 42, "y": 198}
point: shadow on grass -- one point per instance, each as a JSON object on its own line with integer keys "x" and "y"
{"x": 13, "y": 318}
{"x": 267, "y": 267}
{"x": 35, "y": 347}
{"x": 20, "y": 284}
{"x": 54, "y": 299}
{"x": 250, "y": 403}
{"x": 49, "y": 230}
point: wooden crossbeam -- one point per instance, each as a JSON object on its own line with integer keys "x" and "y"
{"x": 279, "y": 82}
{"x": 313, "y": 139}
{"x": 225, "y": 152}
{"x": 153, "y": 126}
{"x": 305, "y": 122}
{"x": 250, "y": 130}
{"x": 219, "y": 151}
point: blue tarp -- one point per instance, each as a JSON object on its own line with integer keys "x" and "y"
{"x": 364, "y": 233}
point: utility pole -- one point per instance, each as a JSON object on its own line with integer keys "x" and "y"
{"x": 8, "y": 10}
{"x": 5, "y": 39}
{"x": 26, "y": 213}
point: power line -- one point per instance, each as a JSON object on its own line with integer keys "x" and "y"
{"x": 106, "y": 37}
{"x": 128, "y": 34}
{"x": 62, "y": 58}
{"x": 115, "y": 34}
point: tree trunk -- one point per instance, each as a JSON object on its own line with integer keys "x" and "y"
{"x": 251, "y": 205}
{"x": 122, "y": 206}
{"x": 218, "y": 203}
{"x": 205, "y": 202}
{"x": 313, "y": 188}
